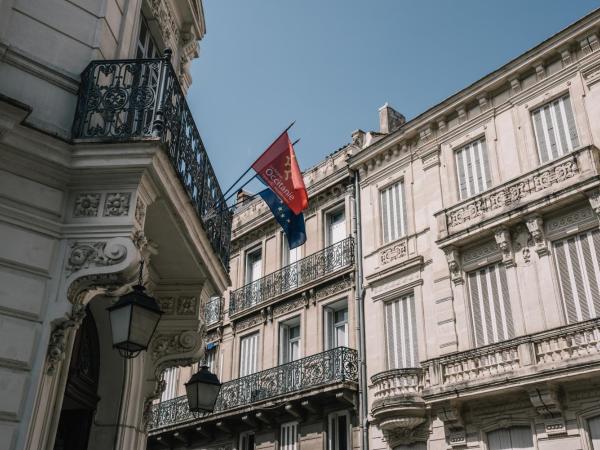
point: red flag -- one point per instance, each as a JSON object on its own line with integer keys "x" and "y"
{"x": 278, "y": 167}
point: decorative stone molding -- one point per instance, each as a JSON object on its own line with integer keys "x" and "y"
{"x": 288, "y": 306}
{"x": 397, "y": 251}
{"x": 184, "y": 305}
{"x": 540, "y": 70}
{"x": 453, "y": 260}
{"x": 515, "y": 86}
{"x": 535, "y": 226}
{"x": 246, "y": 323}
{"x": 86, "y": 205}
{"x": 450, "y": 413}
{"x": 480, "y": 253}
{"x": 431, "y": 158}
{"x": 166, "y": 21}
{"x": 545, "y": 399}
{"x": 116, "y": 204}
{"x": 594, "y": 198}
{"x": 140, "y": 211}
{"x": 166, "y": 344}
{"x": 339, "y": 285}
{"x": 407, "y": 436}
{"x": 58, "y": 337}
{"x": 565, "y": 55}
{"x": 215, "y": 335}
{"x": 502, "y": 237}
{"x": 83, "y": 255}
{"x": 462, "y": 114}
{"x": 484, "y": 101}
{"x": 577, "y": 217}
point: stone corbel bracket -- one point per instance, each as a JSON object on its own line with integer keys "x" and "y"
{"x": 454, "y": 427}
{"x": 503, "y": 239}
{"x": 58, "y": 337}
{"x": 535, "y": 226}
{"x": 546, "y": 401}
{"x": 453, "y": 260}
{"x": 594, "y": 198}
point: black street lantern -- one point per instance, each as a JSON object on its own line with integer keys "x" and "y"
{"x": 202, "y": 390}
{"x": 133, "y": 319}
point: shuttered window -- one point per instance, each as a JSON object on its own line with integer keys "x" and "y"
{"x": 401, "y": 328}
{"x": 490, "y": 305}
{"x": 594, "y": 427}
{"x": 248, "y": 354}
{"x": 554, "y": 126}
{"x": 393, "y": 212}
{"x": 513, "y": 438}
{"x": 289, "y": 436}
{"x": 473, "y": 169}
{"x": 577, "y": 260}
{"x": 171, "y": 379}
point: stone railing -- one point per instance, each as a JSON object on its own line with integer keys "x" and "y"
{"x": 572, "y": 169}
{"x": 337, "y": 365}
{"x": 396, "y": 383}
{"x": 141, "y": 99}
{"x": 304, "y": 271}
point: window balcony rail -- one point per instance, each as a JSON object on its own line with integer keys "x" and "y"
{"x": 213, "y": 310}
{"x": 141, "y": 99}
{"x": 570, "y": 173}
{"x": 304, "y": 271}
{"x": 337, "y": 365}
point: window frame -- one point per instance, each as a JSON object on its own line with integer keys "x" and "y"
{"x": 257, "y": 359}
{"x": 336, "y": 209}
{"x": 250, "y": 251}
{"x": 284, "y": 353}
{"x": 329, "y": 328}
{"x": 414, "y": 333}
{"x": 332, "y": 437}
{"x": 404, "y": 219}
{"x": 487, "y": 177}
{"x": 295, "y": 446}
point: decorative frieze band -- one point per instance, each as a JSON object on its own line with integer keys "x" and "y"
{"x": 107, "y": 204}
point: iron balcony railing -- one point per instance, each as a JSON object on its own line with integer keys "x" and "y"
{"x": 337, "y": 365}
{"x": 306, "y": 270}
{"x": 137, "y": 99}
{"x": 213, "y": 310}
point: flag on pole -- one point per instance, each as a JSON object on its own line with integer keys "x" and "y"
{"x": 292, "y": 224}
{"x": 278, "y": 169}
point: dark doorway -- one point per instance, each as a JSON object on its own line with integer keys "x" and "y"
{"x": 79, "y": 404}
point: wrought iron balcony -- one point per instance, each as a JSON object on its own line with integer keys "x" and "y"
{"x": 301, "y": 273}
{"x": 338, "y": 365}
{"x": 141, "y": 99}
{"x": 213, "y": 310}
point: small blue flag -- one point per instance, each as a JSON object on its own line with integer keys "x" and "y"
{"x": 292, "y": 224}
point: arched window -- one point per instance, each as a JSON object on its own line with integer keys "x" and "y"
{"x": 513, "y": 438}
{"x": 594, "y": 427}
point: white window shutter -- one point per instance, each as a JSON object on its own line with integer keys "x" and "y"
{"x": 401, "y": 327}
{"x": 473, "y": 169}
{"x": 393, "y": 212}
{"x": 555, "y": 130}
{"x": 328, "y": 327}
{"x": 248, "y": 354}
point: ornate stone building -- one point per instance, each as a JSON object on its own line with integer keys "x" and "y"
{"x": 101, "y": 166}
{"x": 281, "y": 340}
{"x": 481, "y": 263}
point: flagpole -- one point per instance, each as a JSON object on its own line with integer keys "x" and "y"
{"x": 250, "y": 168}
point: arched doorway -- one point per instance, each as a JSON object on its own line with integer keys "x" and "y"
{"x": 81, "y": 398}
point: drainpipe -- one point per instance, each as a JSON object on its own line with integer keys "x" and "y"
{"x": 363, "y": 404}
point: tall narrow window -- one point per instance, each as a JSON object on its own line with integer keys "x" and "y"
{"x": 210, "y": 357}
{"x": 338, "y": 432}
{"x": 554, "y": 126}
{"x": 401, "y": 328}
{"x": 171, "y": 379}
{"x": 473, "y": 169}
{"x": 594, "y": 427}
{"x": 336, "y": 226}
{"x": 253, "y": 265}
{"x": 291, "y": 275}
{"x": 393, "y": 212}
{"x": 146, "y": 47}
{"x": 577, "y": 259}
{"x": 336, "y": 325}
{"x": 513, "y": 438}
{"x": 288, "y": 439}
{"x": 248, "y": 354}
{"x": 290, "y": 256}
{"x": 289, "y": 340}
{"x": 490, "y": 305}
{"x": 247, "y": 440}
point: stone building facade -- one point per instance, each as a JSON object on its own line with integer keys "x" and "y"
{"x": 101, "y": 166}
{"x": 476, "y": 264}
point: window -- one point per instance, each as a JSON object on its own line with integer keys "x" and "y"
{"x": 393, "y": 212}
{"x": 401, "y": 327}
{"x": 554, "y": 127}
{"x": 594, "y": 427}
{"x": 248, "y": 354}
{"x": 336, "y": 325}
{"x": 336, "y": 226}
{"x": 490, "y": 305}
{"x": 210, "y": 357}
{"x": 338, "y": 432}
{"x": 473, "y": 169}
{"x": 289, "y": 341}
{"x": 292, "y": 272}
{"x": 289, "y": 436}
{"x": 146, "y": 47}
{"x": 577, "y": 260}
{"x": 289, "y": 256}
{"x": 171, "y": 379}
{"x": 253, "y": 265}
{"x": 513, "y": 438}
{"x": 247, "y": 440}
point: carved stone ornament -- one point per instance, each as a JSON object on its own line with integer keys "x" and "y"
{"x": 117, "y": 204}
{"x": 339, "y": 285}
{"x": 86, "y": 254}
{"x": 454, "y": 428}
{"x": 186, "y": 305}
{"x": 407, "y": 436}
{"x": 166, "y": 21}
{"x": 453, "y": 260}
{"x": 58, "y": 337}
{"x": 140, "y": 211}
{"x": 397, "y": 251}
{"x": 247, "y": 322}
{"x": 502, "y": 236}
{"x": 86, "y": 205}
{"x": 535, "y": 226}
{"x": 546, "y": 401}
{"x": 174, "y": 343}
{"x": 594, "y": 198}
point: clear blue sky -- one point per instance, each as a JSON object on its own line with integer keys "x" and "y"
{"x": 330, "y": 64}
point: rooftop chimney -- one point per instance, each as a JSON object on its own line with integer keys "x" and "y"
{"x": 242, "y": 197}
{"x": 389, "y": 119}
